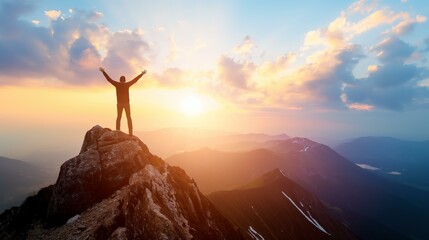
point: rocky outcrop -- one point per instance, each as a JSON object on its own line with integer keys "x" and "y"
{"x": 116, "y": 189}
{"x": 105, "y": 163}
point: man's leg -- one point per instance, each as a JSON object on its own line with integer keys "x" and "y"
{"x": 130, "y": 122}
{"x": 119, "y": 108}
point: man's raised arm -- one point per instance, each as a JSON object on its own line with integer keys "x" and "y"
{"x": 107, "y": 76}
{"x": 137, "y": 78}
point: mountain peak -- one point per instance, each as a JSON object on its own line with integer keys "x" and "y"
{"x": 273, "y": 175}
{"x": 298, "y": 213}
{"x": 115, "y": 188}
{"x": 266, "y": 179}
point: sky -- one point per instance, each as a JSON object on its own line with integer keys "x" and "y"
{"x": 332, "y": 69}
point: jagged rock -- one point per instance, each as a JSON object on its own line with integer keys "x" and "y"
{"x": 172, "y": 204}
{"x": 105, "y": 163}
{"x": 119, "y": 234}
{"x": 120, "y": 191}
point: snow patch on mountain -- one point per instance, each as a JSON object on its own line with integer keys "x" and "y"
{"x": 305, "y": 149}
{"x": 309, "y": 217}
{"x": 304, "y": 143}
{"x": 367, "y": 167}
{"x": 394, "y": 173}
{"x": 254, "y": 234}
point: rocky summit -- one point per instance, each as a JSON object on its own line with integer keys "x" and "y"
{"x": 116, "y": 189}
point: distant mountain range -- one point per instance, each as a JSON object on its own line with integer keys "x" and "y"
{"x": 168, "y": 141}
{"x": 372, "y": 206}
{"x": 18, "y": 180}
{"x": 274, "y": 207}
{"x": 399, "y": 160}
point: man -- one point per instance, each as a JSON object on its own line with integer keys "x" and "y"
{"x": 123, "y": 98}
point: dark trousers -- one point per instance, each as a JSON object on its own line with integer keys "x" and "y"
{"x": 121, "y": 107}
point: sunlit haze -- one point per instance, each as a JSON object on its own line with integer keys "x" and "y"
{"x": 318, "y": 69}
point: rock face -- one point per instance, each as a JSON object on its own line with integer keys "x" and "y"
{"x": 116, "y": 189}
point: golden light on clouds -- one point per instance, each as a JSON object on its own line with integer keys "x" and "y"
{"x": 361, "y": 107}
{"x": 373, "y": 68}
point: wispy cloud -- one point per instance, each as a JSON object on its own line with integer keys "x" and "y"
{"x": 245, "y": 47}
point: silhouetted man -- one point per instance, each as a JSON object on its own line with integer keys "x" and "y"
{"x": 123, "y": 98}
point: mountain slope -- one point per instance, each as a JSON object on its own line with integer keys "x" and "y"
{"x": 115, "y": 188}
{"x": 18, "y": 179}
{"x": 274, "y": 207}
{"x": 403, "y": 161}
{"x": 236, "y": 168}
{"x": 355, "y": 195}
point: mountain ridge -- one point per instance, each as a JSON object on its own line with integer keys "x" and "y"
{"x": 18, "y": 179}
{"x": 274, "y": 207}
{"x": 361, "y": 196}
{"x": 116, "y": 189}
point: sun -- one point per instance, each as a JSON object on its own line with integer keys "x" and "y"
{"x": 192, "y": 105}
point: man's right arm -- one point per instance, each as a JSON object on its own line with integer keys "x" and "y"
{"x": 107, "y": 76}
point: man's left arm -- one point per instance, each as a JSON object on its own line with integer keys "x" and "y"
{"x": 137, "y": 78}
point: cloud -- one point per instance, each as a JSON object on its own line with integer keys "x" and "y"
{"x": 170, "y": 77}
{"x": 374, "y": 20}
{"x": 360, "y": 107}
{"x": 323, "y": 78}
{"x": 392, "y": 49}
{"x": 393, "y": 84}
{"x": 53, "y": 15}
{"x": 327, "y": 79}
{"x": 426, "y": 45}
{"x": 68, "y": 51}
{"x": 84, "y": 55}
{"x": 244, "y": 47}
{"x": 408, "y": 24}
{"x": 313, "y": 38}
{"x": 174, "y": 50}
{"x": 362, "y": 6}
{"x": 94, "y": 15}
{"x": 233, "y": 73}
{"x": 25, "y": 48}
{"x": 126, "y": 52}
{"x": 341, "y": 31}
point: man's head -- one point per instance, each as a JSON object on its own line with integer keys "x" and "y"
{"x": 122, "y": 79}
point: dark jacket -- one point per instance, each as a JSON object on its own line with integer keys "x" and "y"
{"x": 122, "y": 89}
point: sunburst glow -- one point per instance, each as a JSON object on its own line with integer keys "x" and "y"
{"x": 192, "y": 105}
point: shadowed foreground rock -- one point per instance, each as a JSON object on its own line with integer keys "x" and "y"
{"x": 116, "y": 189}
